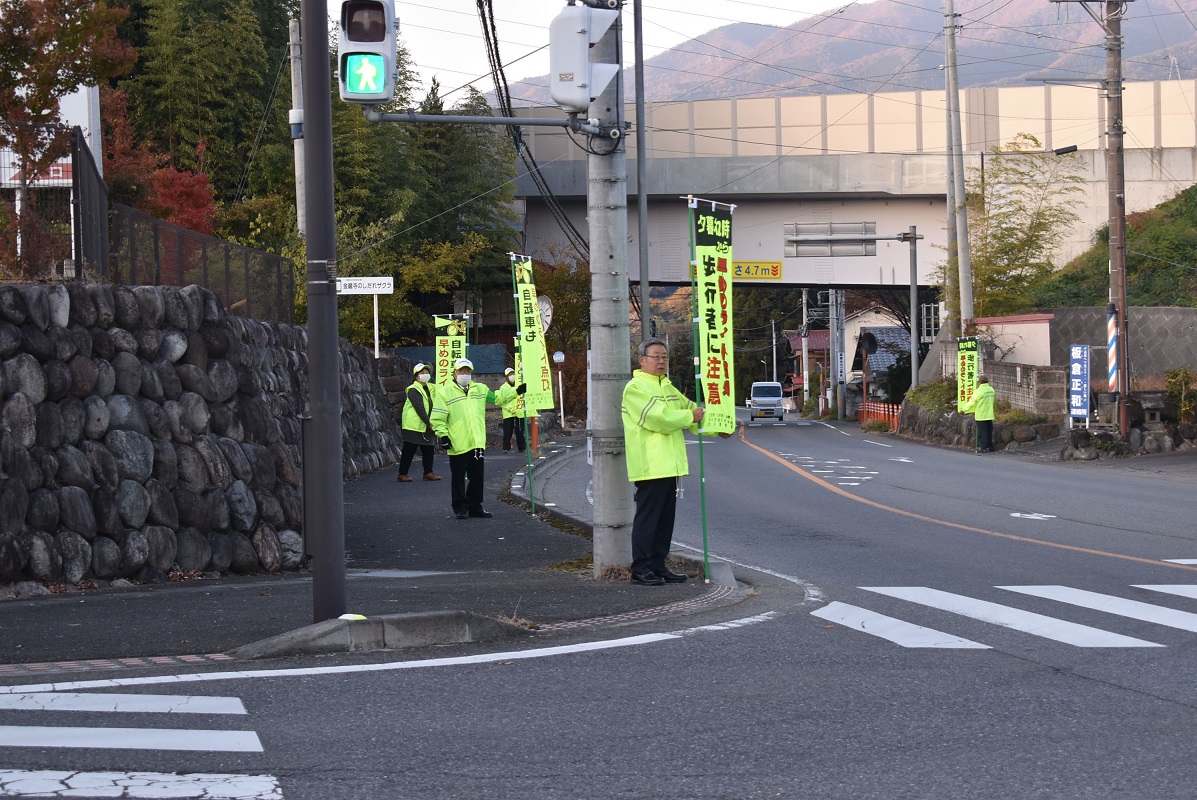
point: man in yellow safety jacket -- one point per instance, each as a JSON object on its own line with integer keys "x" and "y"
{"x": 459, "y": 419}
{"x": 980, "y": 405}
{"x": 513, "y": 412}
{"x": 654, "y": 415}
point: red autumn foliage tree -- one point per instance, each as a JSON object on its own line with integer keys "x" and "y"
{"x": 128, "y": 163}
{"x": 183, "y": 198}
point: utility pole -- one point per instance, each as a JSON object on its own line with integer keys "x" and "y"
{"x": 964, "y": 265}
{"x": 773, "y": 328}
{"x": 1110, "y": 20}
{"x": 805, "y": 352}
{"x": 610, "y": 331}
{"x": 296, "y": 119}
{"x": 324, "y": 490}
{"x": 1116, "y": 179}
{"x": 641, "y": 170}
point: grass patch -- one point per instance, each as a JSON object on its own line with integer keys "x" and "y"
{"x": 875, "y": 426}
{"x": 937, "y": 397}
{"x": 581, "y": 564}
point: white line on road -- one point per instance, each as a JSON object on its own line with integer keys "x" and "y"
{"x": 123, "y": 703}
{"x": 1181, "y": 560}
{"x": 812, "y": 592}
{"x": 130, "y": 739}
{"x": 1178, "y": 589}
{"x": 898, "y": 631}
{"x": 1013, "y": 618}
{"x": 1119, "y": 606}
{"x": 879, "y": 444}
{"x": 236, "y": 675}
{"x": 137, "y": 785}
{"x": 837, "y": 430}
{"x": 729, "y": 625}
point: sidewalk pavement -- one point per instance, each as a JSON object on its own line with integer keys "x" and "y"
{"x": 418, "y": 574}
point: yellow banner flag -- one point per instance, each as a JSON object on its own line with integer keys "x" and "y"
{"x": 966, "y": 370}
{"x": 712, "y": 228}
{"x": 449, "y": 346}
{"x": 532, "y": 358}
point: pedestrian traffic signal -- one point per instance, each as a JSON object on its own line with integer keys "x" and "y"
{"x": 573, "y": 79}
{"x": 366, "y": 51}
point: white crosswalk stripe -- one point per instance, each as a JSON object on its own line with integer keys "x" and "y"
{"x": 1013, "y": 618}
{"x": 1145, "y": 612}
{"x": 897, "y": 631}
{"x": 61, "y": 781}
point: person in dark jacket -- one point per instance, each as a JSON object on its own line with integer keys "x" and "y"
{"x": 417, "y": 426}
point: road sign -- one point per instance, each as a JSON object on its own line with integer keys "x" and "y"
{"x": 382, "y": 285}
{"x": 558, "y": 357}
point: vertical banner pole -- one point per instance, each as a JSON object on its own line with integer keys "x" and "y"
{"x": 531, "y": 352}
{"x": 375, "y": 326}
{"x": 702, "y": 470}
{"x": 519, "y": 376}
{"x": 714, "y": 349}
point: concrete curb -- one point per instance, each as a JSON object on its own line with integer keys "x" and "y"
{"x": 385, "y": 632}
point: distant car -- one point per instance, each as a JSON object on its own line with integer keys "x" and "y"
{"x": 764, "y": 400}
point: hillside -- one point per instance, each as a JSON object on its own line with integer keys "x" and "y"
{"x": 889, "y": 45}
{"x": 1161, "y": 249}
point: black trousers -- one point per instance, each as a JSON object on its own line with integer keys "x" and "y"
{"x": 409, "y": 454}
{"x": 652, "y": 527}
{"x": 985, "y": 435}
{"x": 516, "y": 424}
{"x": 466, "y": 476}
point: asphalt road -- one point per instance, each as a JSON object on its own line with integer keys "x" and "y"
{"x": 928, "y": 624}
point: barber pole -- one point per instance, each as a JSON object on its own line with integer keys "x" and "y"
{"x": 1112, "y": 347}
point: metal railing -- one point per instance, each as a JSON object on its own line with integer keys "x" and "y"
{"x": 886, "y": 412}
{"x": 249, "y": 283}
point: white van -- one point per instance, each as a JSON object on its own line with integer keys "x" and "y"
{"x": 764, "y": 400}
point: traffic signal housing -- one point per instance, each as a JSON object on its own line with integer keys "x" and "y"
{"x": 366, "y": 51}
{"x": 573, "y": 79}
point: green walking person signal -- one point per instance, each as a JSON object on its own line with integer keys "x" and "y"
{"x": 366, "y": 51}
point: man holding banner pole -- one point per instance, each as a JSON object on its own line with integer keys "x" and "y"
{"x": 654, "y": 415}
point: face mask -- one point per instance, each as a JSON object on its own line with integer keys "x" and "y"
{"x": 423, "y": 377}
{"x": 463, "y": 380}
{"x": 511, "y": 379}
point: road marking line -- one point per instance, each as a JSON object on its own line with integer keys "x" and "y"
{"x": 1178, "y": 589}
{"x": 900, "y": 632}
{"x": 958, "y": 526}
{"x": 137, "y": 785}
{"x": 122, "y": 703}
{"x": 1181, "y": 560}
{"x": 1119, "y": 606}
{"x": 879, "y": 444}
{"x": 130, "y": 738}
{"x": 1013, "y": 618}
{"x": 298, "y": 672}
{"x": 813, "y": 592}
{"x": 735, "y": 623}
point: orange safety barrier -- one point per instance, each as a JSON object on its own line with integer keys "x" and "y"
{"x": 887, "y": 412}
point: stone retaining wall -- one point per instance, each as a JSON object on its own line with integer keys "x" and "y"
{"x": 959, "y": 430}
{"x": 144, "y": 431}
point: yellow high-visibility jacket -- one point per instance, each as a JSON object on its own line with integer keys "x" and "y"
{"x": 654, "y": 415}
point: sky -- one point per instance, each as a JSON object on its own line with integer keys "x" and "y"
{"x": 444, "y": 37}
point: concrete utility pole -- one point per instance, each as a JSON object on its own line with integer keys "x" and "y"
{"x": 963, "y": 260}
{"x": 296, "y": 119}
{"x": 1110, "y": 20}
{"x": 805, "y": 352}
{"x": 323, "y": 482}
{"x": 1116, "y": 167}
{"x": 610, "y": 331}
{"x": 646, "y": 314}
{"x": 773, "y": 328}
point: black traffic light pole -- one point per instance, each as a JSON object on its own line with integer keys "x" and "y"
{"x": 324, "y": 492}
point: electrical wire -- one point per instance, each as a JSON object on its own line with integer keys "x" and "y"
{"x": 262, "y": 125}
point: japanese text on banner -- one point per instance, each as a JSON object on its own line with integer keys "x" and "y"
{"x": 1078, "y": 381}
{"x": 533, "y": 362}
{"x": 966, "y": 370}
{"x": 450, "y": 345}
{"x": 713, "y": 290}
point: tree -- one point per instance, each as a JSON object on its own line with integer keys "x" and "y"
{"x": 1019, "y": 203}
{"x": 48, "y": 49}
{"x": 198, "y": 94}
{"x": 128, "y": 162}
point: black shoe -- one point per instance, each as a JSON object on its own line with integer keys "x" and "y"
{"x": 482, "y": 512}
{"x": 669, "y": 576}
{"x": 647, "y": 579}
{"x": 462, "y": 515}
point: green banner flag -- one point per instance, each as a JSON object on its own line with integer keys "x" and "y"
{"x": 712, "y": 284}
{"x": 966, "y": 370}
{"x": 450, "y": 345}
{"x": 532, "y": 358}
